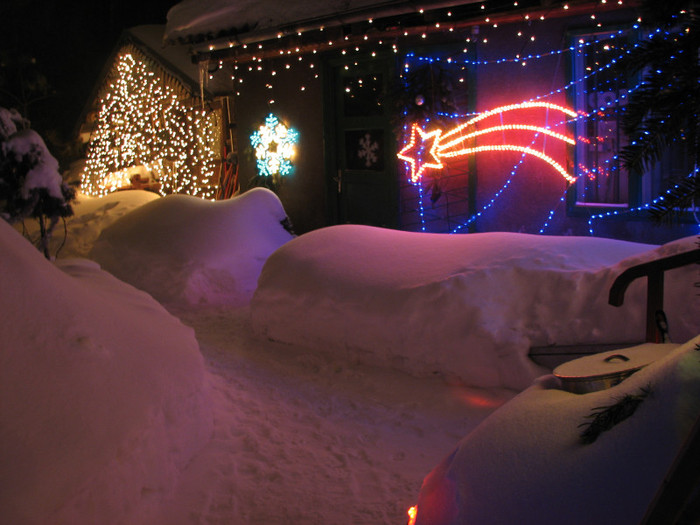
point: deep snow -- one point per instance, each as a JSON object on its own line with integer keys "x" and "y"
{"x": 97, "y": 376}
{"x": 529, "y": 453}
{"x": 103, "y": 394}
{"x": 470, "y": 306}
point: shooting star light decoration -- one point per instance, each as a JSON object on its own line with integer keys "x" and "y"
{"x": 427, "y": 150}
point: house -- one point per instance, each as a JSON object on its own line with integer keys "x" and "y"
{"x": 439, "y": 116}
{"x": 153, "y": 123}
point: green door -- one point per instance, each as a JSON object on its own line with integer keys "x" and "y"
{"x": 363, "y": 186}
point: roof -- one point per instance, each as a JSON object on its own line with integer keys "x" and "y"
{"x": 220, "y": 30}
{"x": 257, "y": 20}
{"x": 174, "y": 59}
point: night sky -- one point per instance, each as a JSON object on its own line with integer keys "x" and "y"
{"x": 65, "y": 42}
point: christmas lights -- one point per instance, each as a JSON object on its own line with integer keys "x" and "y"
{"x": 646, "y": 206}
{"x": 431, "y": 149}
{"x": 274, "y": 147}
{"x": 143, "y": 121}
{"x": 425, "y": 150}
{"x": 412, "y": 514}
{"x": 416, "y": 159}
{"x": 580, "y": 117}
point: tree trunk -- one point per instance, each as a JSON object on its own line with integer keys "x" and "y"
{"x": 44, "y": 240}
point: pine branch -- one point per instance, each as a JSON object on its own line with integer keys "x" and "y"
{"x": 685, "y": 195}
{"x": 665, "y": 109}
{"x": 605, "y": 418}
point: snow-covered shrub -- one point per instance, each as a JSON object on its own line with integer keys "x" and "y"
{"x": 30, "y": 184}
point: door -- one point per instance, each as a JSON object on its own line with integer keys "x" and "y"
{"x": 363, "y": 186}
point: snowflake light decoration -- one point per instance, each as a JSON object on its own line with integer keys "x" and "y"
{"x": 274, "y": 147}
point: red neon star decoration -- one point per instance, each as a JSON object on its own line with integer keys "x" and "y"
{"x": 415, "y": 152}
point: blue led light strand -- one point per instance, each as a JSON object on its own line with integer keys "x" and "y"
{"x": 553, "y": 211}
{"x": 582, "y": 116}
{"x": 633, "y": 210}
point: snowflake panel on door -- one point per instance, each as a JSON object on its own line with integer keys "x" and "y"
{"x": 364, "y": 149}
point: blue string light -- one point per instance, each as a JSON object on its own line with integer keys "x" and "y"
{"x": 552, "y": 212}
{"x": 518, "y": 59}
{"x": 633, "y": 210}
{"x": 582, "y": 44}
{"x": 493, "y": 199}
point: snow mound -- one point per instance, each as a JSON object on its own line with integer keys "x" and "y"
{"x": 526, "y": 459}
{"x": 471, "y": 306}
{"x": 103, "y": 396}
{"x": 184, "y": 249}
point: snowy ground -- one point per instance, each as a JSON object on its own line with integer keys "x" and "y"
{"x": 261, "y": 431}
{"x": 302, "y": 438}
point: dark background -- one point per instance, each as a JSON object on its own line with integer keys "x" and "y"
{"x": 52, "y": 53}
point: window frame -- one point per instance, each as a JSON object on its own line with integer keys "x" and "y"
{"x": 638, "y": 185}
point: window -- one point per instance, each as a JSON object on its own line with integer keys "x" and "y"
{"x": 599, "y": 93}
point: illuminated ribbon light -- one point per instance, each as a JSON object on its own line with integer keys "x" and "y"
{"x": 417, "y": 167}
{"x": 425, "y": 150}
{"x": 274, "y": 147}
{"x": 412, "y": 515}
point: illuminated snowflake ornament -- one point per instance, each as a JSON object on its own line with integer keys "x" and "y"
{"x": 274, "y": 147}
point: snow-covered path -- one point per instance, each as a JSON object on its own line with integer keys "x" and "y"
{"x": 307, "y": 438}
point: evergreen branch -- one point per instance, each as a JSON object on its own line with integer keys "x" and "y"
{"x": 607, "y": 417}
{"x": 684, "y": 196}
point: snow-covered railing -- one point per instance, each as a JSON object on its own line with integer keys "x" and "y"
{"x": 654, "y": 272}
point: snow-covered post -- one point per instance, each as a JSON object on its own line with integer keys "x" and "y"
{"x": 30, "y": 183}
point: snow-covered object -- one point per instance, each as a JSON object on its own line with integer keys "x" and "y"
{"x": 181, "y": 247}
{"x": 526, "y": 464}
{"x": 194, "y": 17}
{"x": 10, "y": 122}
{"x": 471, "y": 306}
{"x": 103, "y": 394}
{"x": 44, "y": 173}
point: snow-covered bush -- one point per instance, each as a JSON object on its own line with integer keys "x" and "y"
{"x": 180, "y": 248}
{"x": 30, "y": 183}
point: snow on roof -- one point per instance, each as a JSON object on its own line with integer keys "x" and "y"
{"x": 210, "y": 18}
{"x": 192, "y": 17}
{"x": 175, "y": 59}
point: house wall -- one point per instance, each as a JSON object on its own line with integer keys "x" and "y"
{"x": 525, "y": 196}
{"x": 302, "y": 192}
{"x": 509, "y": 192}
{"x": 536, "y": 187}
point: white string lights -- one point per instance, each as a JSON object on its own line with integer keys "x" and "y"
{"x": 299, "y": 51}
{"x": 142, "y": 121}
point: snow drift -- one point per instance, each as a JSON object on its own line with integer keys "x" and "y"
{"x": 103, "y": 396}
{"x": 526, "y": 460}
{"x": 470, "y": 306}
{"x": 182, "y": 248}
